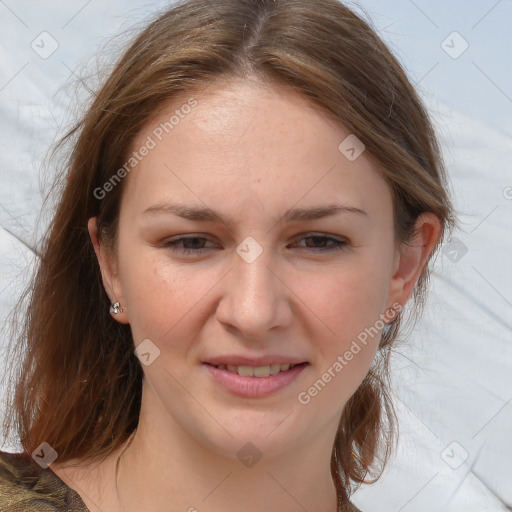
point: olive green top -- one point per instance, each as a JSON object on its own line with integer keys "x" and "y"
{"x": 27, "y": 487}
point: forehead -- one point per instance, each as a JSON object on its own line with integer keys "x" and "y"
{"x": 235, "y": 115}
{"x": 253, "y": 142}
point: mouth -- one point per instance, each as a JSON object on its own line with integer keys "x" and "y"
{"x": 257, "y": 371}
{"x": 255, "y": 381}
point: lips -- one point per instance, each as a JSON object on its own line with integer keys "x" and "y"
{"x": 254, "y": 386}
{"x": 239, "y": 360}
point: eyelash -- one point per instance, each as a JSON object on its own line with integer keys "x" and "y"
{"x": 173, "y": 244}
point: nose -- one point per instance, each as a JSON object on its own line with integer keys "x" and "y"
{"x": 255, "y": 298}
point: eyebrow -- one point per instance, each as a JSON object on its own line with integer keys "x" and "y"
{"x": 292, "y": 215}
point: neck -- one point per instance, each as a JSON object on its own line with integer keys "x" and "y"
{"x": 172, "y": 467}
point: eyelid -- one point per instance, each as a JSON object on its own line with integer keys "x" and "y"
{"x": 178, "y": 238}
{"x": 300, "y": 236}
{"x": 340, "y": 243}
{"x": 321, "y": 234}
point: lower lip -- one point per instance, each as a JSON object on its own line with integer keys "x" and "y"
{"x": 255, "y": 387}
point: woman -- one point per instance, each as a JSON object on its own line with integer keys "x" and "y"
{"x": 252, "y": 198}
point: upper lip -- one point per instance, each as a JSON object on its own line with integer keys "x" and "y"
{"x": 236, "y": 360}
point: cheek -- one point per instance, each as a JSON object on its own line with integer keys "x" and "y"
{"x": 347, "y": 342}
{"x": 350, "y": 300}
{"x": 350, "y": 304}
{"x": 159, "y": 295}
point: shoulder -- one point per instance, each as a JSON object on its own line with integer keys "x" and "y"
{"x": 25, "y": 486}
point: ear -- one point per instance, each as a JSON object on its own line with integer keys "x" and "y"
{"x": 109, "y": 273}
{"x": 410, "y": 263}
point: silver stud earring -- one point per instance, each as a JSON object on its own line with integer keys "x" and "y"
{"x": 116, "y": 308}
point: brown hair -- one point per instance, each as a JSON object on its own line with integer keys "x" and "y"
{"x": 79, "y": 386}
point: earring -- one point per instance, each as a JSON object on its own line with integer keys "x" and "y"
{"x": 116, "y": 308}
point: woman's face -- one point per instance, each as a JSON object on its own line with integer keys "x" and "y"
{"x": 264, "y": 272}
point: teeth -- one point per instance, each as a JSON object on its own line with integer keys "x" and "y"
{"x": 246, "y": 371}
{"x": 275, "y": 368}
{"x": 258, "y": 371}
{"x": 262, "y": 371}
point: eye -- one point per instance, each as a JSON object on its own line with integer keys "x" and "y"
{"x": 188, "y": 245}
{"x": 335, "y": 244}
{"x": 192, "y": 245}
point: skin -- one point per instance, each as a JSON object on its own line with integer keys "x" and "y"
{"x": 250, "y": 153}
